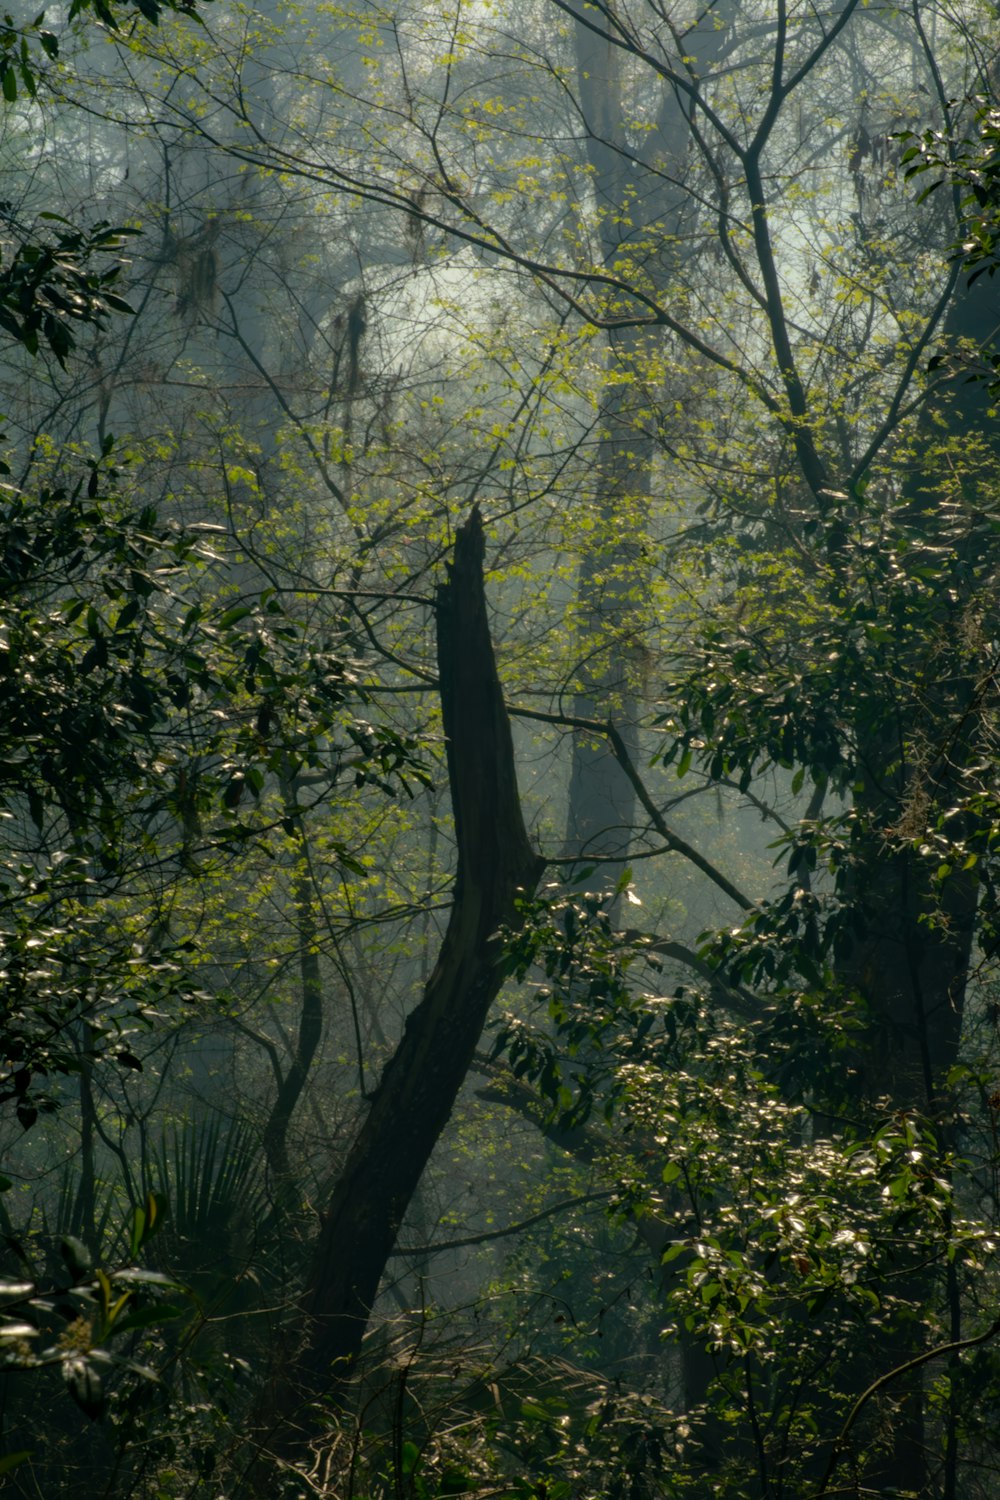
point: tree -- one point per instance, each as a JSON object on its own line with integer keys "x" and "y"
{"x": 417, "y": 1090}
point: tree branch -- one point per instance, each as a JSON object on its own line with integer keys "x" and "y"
{"x": 673, "y": 840}
{"x": 500, "y": 1234}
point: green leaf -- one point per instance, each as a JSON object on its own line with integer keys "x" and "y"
{"x": 14, "y": 1290}
{"x": 127, "y": 615}
{"x": 84, "y": 1385}
{"x": 18, "y": 1331}
{"x": 14, "y": 1460}
{"x": 234, "y": 615}
{"x": 78, "y": 1258}
{"x": 138, "y": 1233}
{"x": 455, "y": 1482}
{"x": 149, "y": 1317}
{"x": 147, "y": 1278}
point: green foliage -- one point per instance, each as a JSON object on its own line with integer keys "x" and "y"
{"x": 970, "y": 164}
{"x": 195, "y": 727}
{"x": 221, "y": 1220}
{"x": 598, "y": 1019}
{"x": 459, "y": 1422}
{"x": 127, "y": 1318}
{"x": 138, "y": 716}
{"x": 75, "y": 1322}
{"x": 809, "y": 695}
{"x": 17, "y": 64}
{"x": 49, "y": 288}
{"x": 20, "y": 67}
{"x": 805, "y": 1226}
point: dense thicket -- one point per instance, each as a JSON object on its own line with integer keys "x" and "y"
{"x": 530, "y": 1032}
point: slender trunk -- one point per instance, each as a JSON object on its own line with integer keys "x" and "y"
{"x": 275, "y": 1135}
{"x": 83, "y": 1220}
{"x": 601, "y": 811}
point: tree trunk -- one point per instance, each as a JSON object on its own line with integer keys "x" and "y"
{"x": 612, "y": 585}
{"x": 292, "y": 1082}
{"x": 913, "y": 959}
{"x": 415, "y": 1096}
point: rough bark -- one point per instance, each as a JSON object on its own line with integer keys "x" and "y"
{"x": 416, "y": 1093}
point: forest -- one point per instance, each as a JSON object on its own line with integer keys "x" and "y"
{"x": 499, "y": 750}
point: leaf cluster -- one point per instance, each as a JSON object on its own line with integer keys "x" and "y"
{"x": 595, "y": 1019}
{"x": 50, "y": 288}
{"x": 18, "y": 63}
{"x": 146, "y": 727}
{"x": 73, "y": 1320}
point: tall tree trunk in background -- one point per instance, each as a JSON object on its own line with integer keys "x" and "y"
{"x": 613, "y": 616}
{"x": 612, "y": 585}
{"x": 294, "y": 1076}
{"x": 601, "y": 799}
{"x": 418, "y": 1088}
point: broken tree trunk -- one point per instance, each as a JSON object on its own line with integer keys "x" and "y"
{"x": 416, "y": 1093}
